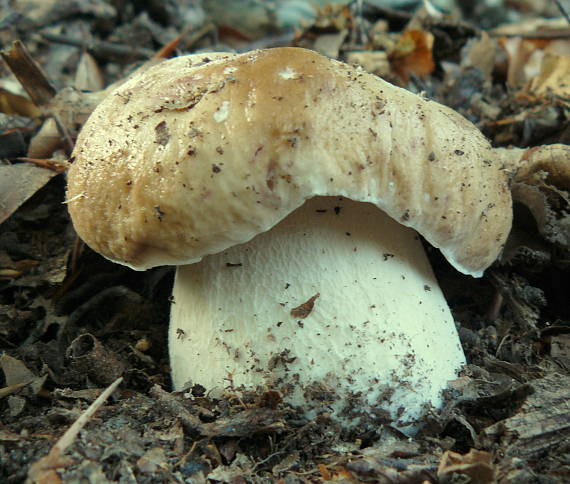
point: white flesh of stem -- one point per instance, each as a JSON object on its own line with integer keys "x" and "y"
{"x": 379, "y": 339}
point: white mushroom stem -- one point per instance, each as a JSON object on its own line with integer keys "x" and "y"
{"x": 379, "y": 338}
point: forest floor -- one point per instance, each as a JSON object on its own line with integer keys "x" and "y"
{"x": 73, "y": 323}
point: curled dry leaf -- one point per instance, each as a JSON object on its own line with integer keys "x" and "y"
{"x": 46, "y": 141}
{"x": 527, "y": 57}
{"x": 542, "y": 424}
{"x": 542, "y": 183}
{"x": 18, "y": 183}
{"x": 11, "y": 103}
{"x": 88, "y": 76}
{"x": 371, "y": 61}
{"x": 413, "y": 54}
{"x": 303, "y": 310}
{"x": 476, "y": 464}
{"x": 553, "y": 77}
{"x": 90, "y": 357}
{"x": 480, "y": 53}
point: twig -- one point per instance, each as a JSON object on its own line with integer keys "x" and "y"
{"x": 59, "y": 166}
{"x": 174, "y": 407}
{"x": 64, "y": 132}
{"x": 562, "y": 33}
{"x": 69, "y": 436}
{"x": 242, "y": 424}
{"x": 44, "y": 469}
{"x": 280, "y": 40}
{"x": 101, "y": 48}
{"x": 563, "y": 10}
{"x": 29, "y": 73}
{"x": 9, "y": 390}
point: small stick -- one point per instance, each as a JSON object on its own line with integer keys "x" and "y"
{"x": 64, "y": 132}
{"x": 58, "y": 166}
{"x": 29, "y": 73}
{"x": 102, "y": 49}
{"x": 69, "y": 436}
{"x": 174, "y": 407}
{"x": 562, "y": 10}
{"x": 43, "y": 470}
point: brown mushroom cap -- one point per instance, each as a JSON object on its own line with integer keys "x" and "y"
{"x": 184, "y": 161}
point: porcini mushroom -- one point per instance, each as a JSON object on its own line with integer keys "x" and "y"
{"x": 283, "y": 184}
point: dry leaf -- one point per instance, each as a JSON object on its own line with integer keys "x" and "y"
{"x": 15, "y": 372}
{"x": 526, "y": 57}
{"x": 554, "y": 76}
{"x": 46, "y": 141}
{"x": 11, "y": 103}
{"x": 532, "y": 26}
{"x": 152, "y": 461}
{"x": 18, "y": 183}
{"x": 88, "y": 76}
{"x": 303, "y": 310}
{"x": 375, "y": 62}
{"x": 560, "y": 346}
{"x": 480, "y": 53}
{"x": 540, "y": 426}
{"x": 29, "y": 73}
{"x": 477, "y": 464}
{"x": 330, "y": 44}
{"x": 413, "y": 54}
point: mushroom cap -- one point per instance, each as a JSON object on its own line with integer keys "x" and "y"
{"x": 190, "y": 158}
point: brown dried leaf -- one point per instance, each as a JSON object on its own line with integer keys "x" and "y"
{"x": 15, "y": 372}
{"x": 541, "y": 425}
{"x": 481, "y": 53}
{"x": 524, "y": 59}
{"x": 553, "y": 78}
{"x": 476, "y": 464}
{"x": 46, "y": 141}
{"x": 152, "y": 461}
{"x": 371, "y": 61}
{"x": 413, "y": 54}
{"x": 245, "y": 423}
{"x": 18, "y": 183}
{"x": 234, "y": 473}
{"x": 29, "y": 73}
{"x": 534, "y": 27}
{"x": 88, "y": 76}
{"x": 15, "y": 104}
{"x": 303, "y": 310}
{"x": 527, "y": 57}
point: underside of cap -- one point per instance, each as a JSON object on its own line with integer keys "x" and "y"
{"x": 186, "y": 160}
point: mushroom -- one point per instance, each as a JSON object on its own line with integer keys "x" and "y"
{"x": 288, "y": 187}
